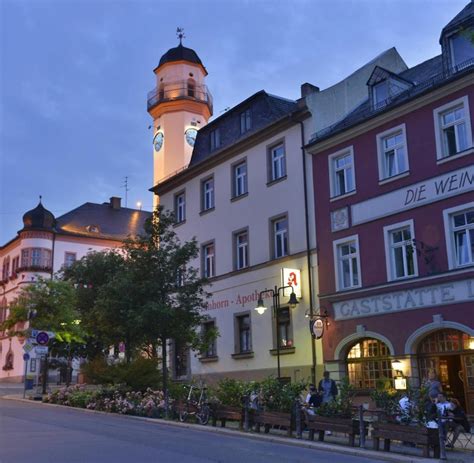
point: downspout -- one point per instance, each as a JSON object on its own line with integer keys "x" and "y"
{"x": 308, "y": 251}
{"x": 52, "y": 255}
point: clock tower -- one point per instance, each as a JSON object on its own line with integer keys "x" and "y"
{"x": 179, "y": 104}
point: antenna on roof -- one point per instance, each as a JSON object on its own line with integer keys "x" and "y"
{"x": 180, "y": 34}
{"x": 125, "y": 186}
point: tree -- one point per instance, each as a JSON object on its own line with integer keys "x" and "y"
{"x": 157, "y": 296}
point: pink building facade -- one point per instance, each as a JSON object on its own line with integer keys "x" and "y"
{"x": 394, "y": 195}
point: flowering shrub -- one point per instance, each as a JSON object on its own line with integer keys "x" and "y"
{"x": 149, "y": 403}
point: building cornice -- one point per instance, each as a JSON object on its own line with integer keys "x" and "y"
{"x": 382, "y": 118}
{"x": 231, "y": 151}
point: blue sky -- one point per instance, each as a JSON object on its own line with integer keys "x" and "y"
{"x": 74, "y": 75}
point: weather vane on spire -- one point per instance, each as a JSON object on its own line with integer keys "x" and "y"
{"x": 180, "y": 34}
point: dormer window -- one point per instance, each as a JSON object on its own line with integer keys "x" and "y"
{"x": 385, "y": 85}
{"x": 92, "y": 229}
{"x": 461, "y": 47}
{"x": 215, "y": 139}
{"x": 380, "y": 93}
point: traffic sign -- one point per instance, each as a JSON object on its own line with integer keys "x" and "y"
{"x": 27, "y": 347}
{"x": 41, "y": 350}
{"x": 26, "y": 357}
{"x": 42, "y": 338}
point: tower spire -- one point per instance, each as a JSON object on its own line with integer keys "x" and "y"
{"x": 180, "y": 34}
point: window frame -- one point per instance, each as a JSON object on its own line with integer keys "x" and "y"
{"x": 234, "y": 179}
{"x": 437, "y": 119}
{"x": 389, "y": 248}
{"x": 380, "y": 137}
{"x": 271, "y": 172}
{"x": 204, "y": 256}
{"x": 349, "y": 150}
{"x": 235, "y": 237}
{"x": 273, "y": 240}
{"x": 211, "y": 352}
{"x": 337, "y": 271}
{"x": 179, "y": 194}
{"x": 69, "y": 253}
{"x": 212, "y": 193}
{"x": 245, "y": 119}
{"x": 449, "y": 233}
{"x": 237, "y": 333}
{"x": 215, "y": 141}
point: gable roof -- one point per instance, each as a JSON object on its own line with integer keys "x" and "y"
{"x": 466, "y": 13}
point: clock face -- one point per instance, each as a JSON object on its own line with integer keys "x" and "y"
{"x": 158, "y": 141}
{"x": 190, "y": 135}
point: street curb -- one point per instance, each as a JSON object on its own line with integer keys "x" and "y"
{"x": 353, "y": 451}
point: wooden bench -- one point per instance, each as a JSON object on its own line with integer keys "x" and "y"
{"x": 320, "y": 424}
{"x": 269, "y": 419}
{"x": 224, "y": 413}
{"x": 425, "y": 437}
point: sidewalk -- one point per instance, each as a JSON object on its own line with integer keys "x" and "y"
{"x": 336, "y": 443}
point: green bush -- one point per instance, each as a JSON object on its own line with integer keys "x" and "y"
{"x": 278, "y": 397}
{"x": 137, "y": 375}
{"x": 230, "y": 391}
{"x": 341, "y": 406}
{"x": 81, "y": 399}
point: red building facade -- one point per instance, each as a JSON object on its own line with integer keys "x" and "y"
{"x": 394, "y": 195}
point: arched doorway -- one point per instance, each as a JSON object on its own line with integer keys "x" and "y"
{"x": 450, "y": 353}
{"x": 369, "y": 364}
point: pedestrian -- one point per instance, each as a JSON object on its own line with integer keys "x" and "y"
{"x": 433, "y": 385}
{"x": 328, "y": 389}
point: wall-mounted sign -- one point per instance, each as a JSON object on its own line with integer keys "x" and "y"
{"x": 316, "y": 327}
{"x": 291, "y": 277}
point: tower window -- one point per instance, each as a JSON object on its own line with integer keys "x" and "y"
{"x": 191, "y": 88}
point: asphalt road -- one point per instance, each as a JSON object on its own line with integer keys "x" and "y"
{"x": 33, "y": 433}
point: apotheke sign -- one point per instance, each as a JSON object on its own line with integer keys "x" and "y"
{"x": 435, "y": 189}
{"x": 410, "y": 299}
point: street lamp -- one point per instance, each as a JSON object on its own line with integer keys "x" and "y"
{"x": 292, "y": 303}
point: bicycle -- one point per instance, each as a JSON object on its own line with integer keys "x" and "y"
{"x": 198, "y": 408}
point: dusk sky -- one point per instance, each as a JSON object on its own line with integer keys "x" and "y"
{"x": 74, "y": 76}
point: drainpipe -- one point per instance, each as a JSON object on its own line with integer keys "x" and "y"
{"x": 308, "y": 251}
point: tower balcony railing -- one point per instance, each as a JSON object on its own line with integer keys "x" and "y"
{"x": 172, "y": 91}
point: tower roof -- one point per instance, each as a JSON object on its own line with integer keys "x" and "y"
{"x": 180, "y": 53}
{"x": 38, "y": 218}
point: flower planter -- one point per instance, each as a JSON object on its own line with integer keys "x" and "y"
{"x": 425, "y": 437}
{"x": 224, "y": 413}
{"x": 320, "y": 424}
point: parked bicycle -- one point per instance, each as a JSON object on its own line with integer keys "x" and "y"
{"x": 198, "y": 408}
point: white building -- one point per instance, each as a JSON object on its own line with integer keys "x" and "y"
{"x": 242, "y": 186}
{"x": 42, "y": 247}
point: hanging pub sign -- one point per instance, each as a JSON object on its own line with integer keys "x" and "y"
{"x": 291, "y": 277}
{"x": 316, "y": 327}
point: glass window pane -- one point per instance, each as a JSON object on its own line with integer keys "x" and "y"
{"x": 459, "y": 220}
{"x": 398, "y": 262}
{"x": 462, "y": 137}
{"x": 450, "y": 141}
{"x": 355, "y": 273}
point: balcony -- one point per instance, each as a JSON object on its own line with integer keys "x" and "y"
{"x": 181, "y": 90}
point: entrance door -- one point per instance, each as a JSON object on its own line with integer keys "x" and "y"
{"x": 467, "y": 376}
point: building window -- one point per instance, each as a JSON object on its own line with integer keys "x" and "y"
{"x": 3, "y": 310}
{"x": 191, "y": 88}
{"x": 380, "y": 94}
{"x": 239, "y": 174}
{"x": 180, "y": 360}
{"x": 6, "y": 268}
{"x": 207, "y": 194}
{"x": 459, "y": 231}
{"x": 399, "y": 251}
{"x": 208, "y": 260}
{"x": 285, "y": 331}
{"x": 369, "y": 364}
{"x": 453, "y": 128}
{"x": 36, "y": 257}
{"x": 69, "y": 258}
{"x": 180, "y": 207}
{"x": 280, "y": 237}
{"x": 341, "y": 167}
{"x": 241, "y": 244}
{"x": 215, "y": 139}
{"x": 211, "y": 350}
{"x": 15, "y": 264}
{"x": 347, "y": 262}
{"x": 461, "y": 47}
{"x": 245, "y": 121}
{"x": 392, "y": 152}
{"x": 277, "y": 162}
{"x": 244, "y": 335}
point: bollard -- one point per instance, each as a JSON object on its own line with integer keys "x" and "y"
{"x": 361, "y": 427}
{"x": 299, "y": 431}
{"x": 442, "y": 436}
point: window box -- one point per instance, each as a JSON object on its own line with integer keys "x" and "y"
{"x": 243, "y": 355}
{"x": 283, "y": 351}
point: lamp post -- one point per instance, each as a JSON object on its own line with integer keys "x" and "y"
{"x": 292, "y": 303}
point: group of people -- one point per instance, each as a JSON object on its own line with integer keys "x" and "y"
{"x": 325, "y": 392}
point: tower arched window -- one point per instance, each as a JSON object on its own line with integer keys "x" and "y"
{"x": 161, "y": 92}
{"x": 192, "y": 88}
{"x": 6, "y": 268}
{"x": 3, "y": 309}
{"x": 369, "y": 363}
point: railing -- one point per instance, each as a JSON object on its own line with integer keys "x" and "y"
{"x": 179, "y": 90}
{"x": 398, "y": 98}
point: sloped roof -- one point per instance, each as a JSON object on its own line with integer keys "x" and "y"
{"x": 466, "y": 13}
{"x": 180, "y": 53}
{"x": 102, "y": 221}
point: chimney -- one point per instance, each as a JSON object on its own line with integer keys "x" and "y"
{"x": 115, "y": 202}
{"x": 307, "y": 89}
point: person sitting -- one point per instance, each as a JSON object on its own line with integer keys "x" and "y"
{"x": 313, "y": 400}
{"x": 459, "y": 422}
